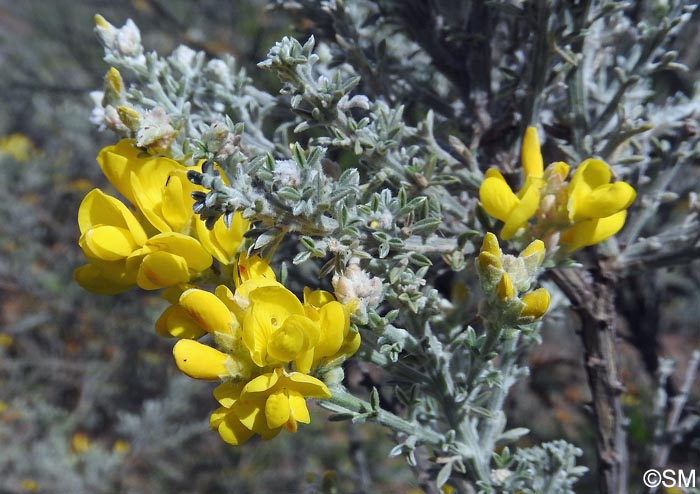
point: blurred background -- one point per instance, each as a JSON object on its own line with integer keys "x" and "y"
{"x": 90, "y": 401}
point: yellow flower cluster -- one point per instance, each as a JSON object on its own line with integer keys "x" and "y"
{"x": 268, "y": 345}
{"x": 505, "y": 277}
{"x": 581, "y": 212}
{"x": 160, "y": 242}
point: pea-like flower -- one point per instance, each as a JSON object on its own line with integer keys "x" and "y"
{"x": 265, "y": 405}
{"x": 596, "y": 208}
{"x": 121, "y": 255}
{"x": 268, "y": 343}
{"x": 585, "y": 211}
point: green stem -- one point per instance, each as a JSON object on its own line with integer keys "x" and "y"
{"x": 342, "y": 401}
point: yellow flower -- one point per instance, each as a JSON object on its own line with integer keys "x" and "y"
{"x": 322, "y": 306}
{"x": 596, "y": 208}
{"x": 157, "y": 186}
{"x": 586, "y": 211}
{"x": 18, "y": 146}
{"x": 80, "y": 442}
{"x": 223, "y": 242}
{"x": 505, "y": 289}
{"x": 276, "y": 329}
{"x": 109, "y": 234}
{"x": 121, "y": 254}
{"x": 265, "y": 405}
{"x": 499, "y": 200}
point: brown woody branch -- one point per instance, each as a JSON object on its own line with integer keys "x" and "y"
{"x": 591, "y": 293}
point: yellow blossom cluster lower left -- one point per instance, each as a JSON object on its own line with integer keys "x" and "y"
{"x": 266, "y": 346}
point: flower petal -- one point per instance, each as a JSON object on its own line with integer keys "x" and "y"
{"x": 97, "y": 208}
{"x": 186, "y": 247}
{"x": 591, "y": 173}
{"x": 161, "y": 269}
{"x": 332, "y": 325}
{"x": 536, "y": 303}
{"x": 207, "y": 310}
{"x": 93, "y": 278}
{"x": 232, "y": 430}
{"x": 496, "y": 196}
{"x": 605, "y": 200}
{"x": 117, "y": 162}
{"x": 198, "y": 360}
{"x": 227, "y": 393}
{"x": 175, "y": 321}
{"x": 308, "y": 386}
{"x": 109, "y": 243}
{"x": 593, "y": 231}
{"x": 297, "y": 405}
{"x": 531, "y": 155}
{"x": 277, "y": 410}
{"x": 520, "y": 215}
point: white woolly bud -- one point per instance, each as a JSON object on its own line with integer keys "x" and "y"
{"x": 155, "y": 131}
{"x": 128, "y": 40}
{"x": 357, "y": 284}
{"x": 113, "y": 121}
{"x": 184, "y": 55}
{"x": 286, "y": 172}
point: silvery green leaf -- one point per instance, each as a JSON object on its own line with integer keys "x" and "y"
{"x": 512, "y": 435}
{"x": 444, "y": 474}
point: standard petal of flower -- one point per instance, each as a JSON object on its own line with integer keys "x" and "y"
{"x": 591, "y": 173}
{"x": 277, "y": 409}
{"x": 198, "y": 360}
{"x": 176, "y": 322}
{"x": 605, "y": 200}
{"x": 520, "y": 215}
{"x": 149, "y": 180}
{"x": 177, "y": 205}
{"x": 252, "y": 268}
{"x": 207, "y": 310}
{"x": 117, "y": 162}
{"x": 332, "y": 324}
{"x": 591, "y": 232}
{"x": 109, "y": 243}
{"x": 496, "y": 196}
{"x": 531, "y": 155}
{"x": 161, "y": 269}
{"x": 222, "y": 242}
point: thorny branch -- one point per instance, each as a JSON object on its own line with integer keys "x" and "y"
{"x": 592, "y": 296}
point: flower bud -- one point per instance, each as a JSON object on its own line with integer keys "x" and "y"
{"x": 536, "y": 303}
{"x": 505, "y": 289}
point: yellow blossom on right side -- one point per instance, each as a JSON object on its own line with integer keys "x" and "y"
{"x": 573, "y": 214}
